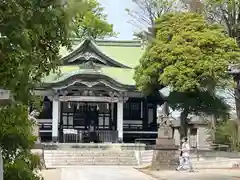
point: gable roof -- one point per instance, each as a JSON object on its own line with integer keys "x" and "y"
{"x": 110, "y": 59}
{"x": 120, "y": 75}
{"x": 122, "y": 54}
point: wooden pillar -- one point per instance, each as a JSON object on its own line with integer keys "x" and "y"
{"x": 145, "y": 114}
{"x": 55, "y": 119}
{"x": 120, "y": 120}
{"x": 115, "y": 116}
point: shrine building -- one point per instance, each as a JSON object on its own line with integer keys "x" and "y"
{"x": 96, "y": 86}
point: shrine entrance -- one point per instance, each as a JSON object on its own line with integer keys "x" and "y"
{"x": 79, "y": 118}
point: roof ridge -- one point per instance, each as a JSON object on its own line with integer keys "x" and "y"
{"x": 100, "y": 42}
{"x": 125, "y": 43}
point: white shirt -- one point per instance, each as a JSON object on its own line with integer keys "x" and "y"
{"x": 185, "y": 149}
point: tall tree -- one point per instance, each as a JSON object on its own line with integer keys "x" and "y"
{"x": 188, "y": 55}
{"x": 228, "y": 14}
{"x": 145, "y": 12}
{"x": 92, "y": 22}
{"x": 32, "y": 33}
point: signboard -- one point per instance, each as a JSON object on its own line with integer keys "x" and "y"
{"x": 89, "y": 98}
{"x": 70, "y": 131}
{"x": 4, "y": 94}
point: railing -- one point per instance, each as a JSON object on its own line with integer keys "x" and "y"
{"x": 80, "y": 136}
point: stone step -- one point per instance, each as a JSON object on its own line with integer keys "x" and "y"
{"x": 89, "y": 164}
{"x": 94, "y": 158}
{"x": 90, "y": 153}
{"x": 66, "y": 163}
{"x": 92, "y": 163}
{"x": 79, "y": 151}
{"x": 87, "y": 156}
{"x": 55, "y": 158}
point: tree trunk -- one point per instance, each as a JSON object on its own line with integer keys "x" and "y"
{"x": 165, "y": 109}
{"x": 183, "y": 123}
{"x": 237, "y": 102}
{"x": 213, "y": 127}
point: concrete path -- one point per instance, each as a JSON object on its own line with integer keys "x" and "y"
{"x": 129, "y": 173}
{"x": 214, "y": 174}
{"x": 103, "y": 173}
{"x": 96, "y": 172}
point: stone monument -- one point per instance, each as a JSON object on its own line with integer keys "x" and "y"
{"x": 32, "y": 117}
{"x": 165, "y": 152}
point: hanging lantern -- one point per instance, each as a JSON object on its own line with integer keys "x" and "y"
{"x": 78, "y": 105}
{"x": 107, "y": 106}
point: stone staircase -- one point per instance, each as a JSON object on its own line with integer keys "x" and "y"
{"x": 78, "y": 157}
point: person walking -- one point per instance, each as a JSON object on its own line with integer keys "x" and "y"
{"x": 185, "y": 158}
{"x": 181, "y": 159}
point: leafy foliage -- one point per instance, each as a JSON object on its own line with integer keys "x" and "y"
{"x": 188, "y": 54}
{"x": 16, "y": 140}
{"x": 92, "y": 22}
{"x": 198, "y": 103}
{"x": 226, "y": 132}
{"x": 23, "y": 167}
{"x": 32, "y": 33}
{"x": 227, "y": 13}
{"x": 191, "y": 57}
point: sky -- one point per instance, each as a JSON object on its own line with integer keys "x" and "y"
{"x": 115, "y": 9}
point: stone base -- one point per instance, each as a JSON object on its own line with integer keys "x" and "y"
{"x": 38, "y": 146}
{"x": 165, "y": 143}
{"x": 54, "y": 139}
{"x": 165, "y": 156}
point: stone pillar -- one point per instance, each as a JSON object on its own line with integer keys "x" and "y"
{"x": 120, "y": 120}
{"x": 176, "y": 136}
{"x": 165, "y": 155}
{"x": 55, "y": 119}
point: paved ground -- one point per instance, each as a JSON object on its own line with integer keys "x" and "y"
{"x": 128, "y": 173}
{"x": 197, "y": 175}
{"x": 96, "y": 172}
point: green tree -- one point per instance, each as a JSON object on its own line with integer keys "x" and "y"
{"x": 191, "y": 57}
{"x": 32, "y": 33}
{"x": 92, "y": 22}
{"x": 226, "y": 133}
{"x": 16, "y": 142}
{"x": 201, "y": 103}
{"x": 227, "y": 14}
